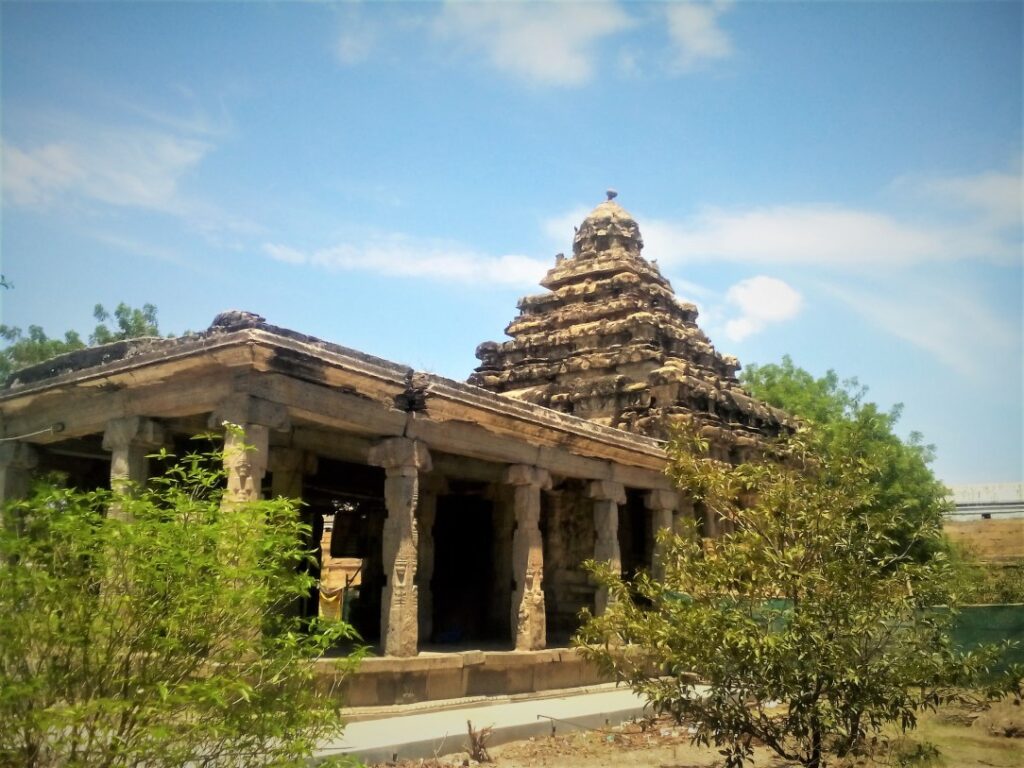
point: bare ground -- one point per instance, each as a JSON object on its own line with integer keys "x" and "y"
{"x": 948, "y": 739}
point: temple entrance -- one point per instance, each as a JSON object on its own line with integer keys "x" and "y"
{"x": 464, "y": 584}
{"x": 636, "y": 539}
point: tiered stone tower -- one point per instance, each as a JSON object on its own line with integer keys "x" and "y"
{"x": 610, "y": 342}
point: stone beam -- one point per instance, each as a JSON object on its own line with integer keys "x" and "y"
{"x": 403, "y": 461}
{"x": 528, "y": 619}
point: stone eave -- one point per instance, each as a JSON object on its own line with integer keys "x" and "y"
{"x": 459, "y": 418}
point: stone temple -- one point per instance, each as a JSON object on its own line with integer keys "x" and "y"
{"x": 610, "y": 342}
{"x": 451, "y": 519}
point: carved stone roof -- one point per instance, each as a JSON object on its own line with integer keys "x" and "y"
{"x": 610, "y": 342}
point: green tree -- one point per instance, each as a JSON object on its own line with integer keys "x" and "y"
{"x": 131, "y": 323}
{"x": 162, "y": 639}
{"x": 23, "y": 349}
{"x": 808, "y": 624}
{"x": 848, "y": 423}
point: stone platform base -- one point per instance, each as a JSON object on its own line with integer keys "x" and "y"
{"x": 429, "y": 676}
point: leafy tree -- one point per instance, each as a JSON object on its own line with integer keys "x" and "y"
{"x": 847, "y": 423}
{"x": 24, "y": 350}
{"x": 131, "y": 323}
{"x": 159, "y": 640}
{"x": 808, "y": 624}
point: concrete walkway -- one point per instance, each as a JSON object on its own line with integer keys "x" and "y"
{"x": 418, "y": 734}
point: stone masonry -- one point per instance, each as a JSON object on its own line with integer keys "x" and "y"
{"x": 610, "y": 342}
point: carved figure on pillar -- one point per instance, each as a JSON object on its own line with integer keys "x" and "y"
{"x": 607, "y": 497}
{"x": 247, "y": 422}
{"x": 403, "y": 460}
{"x": 528, "y": 620}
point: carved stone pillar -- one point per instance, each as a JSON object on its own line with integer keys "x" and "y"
{"x": 403, "y": 461}
{"x": 663, "y": 505}
{"x": 17, "y": 460}
{"x": 129, "y": 440}
{"x": 426, "y": 515}
{"x": 528, "y": 623}
{"x": 607, "y": 497}
{"x": 247, "y": 422}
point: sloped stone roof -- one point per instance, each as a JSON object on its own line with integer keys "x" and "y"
{"x": 609, "y": 341}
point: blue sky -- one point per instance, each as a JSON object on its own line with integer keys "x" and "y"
{"x": 836, "y": 181}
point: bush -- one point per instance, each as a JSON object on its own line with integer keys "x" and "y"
{"x": 808, "y": 624}
{"x": 162, "y": 640}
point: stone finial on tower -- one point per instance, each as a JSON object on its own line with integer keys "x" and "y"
{"x": 612, "y": 194}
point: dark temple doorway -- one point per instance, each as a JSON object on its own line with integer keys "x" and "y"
{"x": 463, "y": 585}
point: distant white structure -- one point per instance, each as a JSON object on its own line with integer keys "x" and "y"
{"x": 986, "y": 501}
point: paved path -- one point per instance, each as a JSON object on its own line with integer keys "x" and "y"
{"x": 419, "y": 734}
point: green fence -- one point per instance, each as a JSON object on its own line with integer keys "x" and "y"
{"x": 991, "y": 624}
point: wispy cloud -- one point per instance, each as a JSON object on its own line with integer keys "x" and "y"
{"x": 403, "y": 256}
{"x": 951, "y": 322}
{"x": 695, "y": 32}
{"x": 358, "y": 37}
{"x": 761, "y": 301}
{"x": 131, "y": 168}
{"x": 996, "y": 196}
{"x": 552, "y": 44}
{"x": 822, "y": 235}
{"x": 979, "y": 220}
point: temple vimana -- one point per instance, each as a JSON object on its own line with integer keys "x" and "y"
{"x": 451, "y": 518}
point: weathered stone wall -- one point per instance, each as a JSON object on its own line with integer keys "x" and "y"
{"x": 567, "y": 525}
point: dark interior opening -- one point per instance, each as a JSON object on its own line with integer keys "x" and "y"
{"x": 81, "y": 463}
{"x": 636, "y": 540}
{"x": 463, "y": 585}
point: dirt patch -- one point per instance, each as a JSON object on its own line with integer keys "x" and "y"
{"x": 949, "y": 738}
{"x": 661, "y": 744}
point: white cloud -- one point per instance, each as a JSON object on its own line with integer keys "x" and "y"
{"x": 694, "y": 31}
{"x": 542, "y": 43}
{"x": 998, "y": 197}
{"x": 403, "y": 256}
{"x": 358, "y": 37}
{"x": 133, "y": 168}
{"x": 761, "y": 301}
{"x": 822, "y": 235}
{"x": 949, "y": 322}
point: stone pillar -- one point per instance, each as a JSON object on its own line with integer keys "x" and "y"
{"x": 607, "y": 497}
{"x": 287, "y": 467}
{"x": 529, "y": 630}
{"x": 247, "y": 422}
{"x": 245, "y": 459}
{"x": 403, "y": 461}
{"x": 426, "y": 514}
{"x": 129, "y": 440}
{"x": 684, "y": 519}
{"x": 17, "y": 460}
{"x": 663, "y": 505}
{"x": 710, "y": 527}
